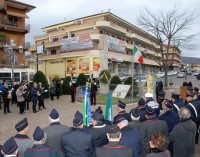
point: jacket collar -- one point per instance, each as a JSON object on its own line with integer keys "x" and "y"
{"x": 184, "y": 120}
{"x": 114, "y": 145}
{"x": 122, "y": 112}
{"x": 20, "y": 136}
{"x": 99, "y": 125}
{"x": 55, "y": 123}
{"x": 41, "y": 148}
{"x": 155, "y": 150}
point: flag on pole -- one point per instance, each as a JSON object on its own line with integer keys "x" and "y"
{"x": 109, "y": 111}
{"x": 137, "y": 55}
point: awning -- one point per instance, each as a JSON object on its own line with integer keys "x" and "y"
{"x": 17, "y": 14}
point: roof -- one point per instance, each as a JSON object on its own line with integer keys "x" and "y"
{"x": 108, "y": 14}
{"x": 190, "y": 60}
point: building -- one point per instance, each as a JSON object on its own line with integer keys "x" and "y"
{"x": 174, "y": 57}
{"x": 89, "y": 44}
{"x": 13, "y": 28}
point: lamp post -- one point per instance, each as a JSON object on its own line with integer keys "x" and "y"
{"x": 9, "y": 49}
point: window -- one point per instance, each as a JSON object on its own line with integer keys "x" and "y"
{"x": 55, "y": 39}
{"x": 101, "y": 32}
{"x": 107, "y": 34}
{"x": 72, "y": 35}
{"x": 13, "y": 21}
{"x": 53, "y": 52}
{"x": 66, "y": 36}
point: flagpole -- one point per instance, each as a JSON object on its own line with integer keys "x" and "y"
{"x": 133, "y": 67}
{"x": 140, "y": 83}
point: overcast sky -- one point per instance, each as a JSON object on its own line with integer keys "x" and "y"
{"x": 49, "y": 12}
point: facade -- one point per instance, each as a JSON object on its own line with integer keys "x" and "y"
{"x": 13, "y": 28}
{"x": 93, "y": 43}
{"x": 174, "y": 57}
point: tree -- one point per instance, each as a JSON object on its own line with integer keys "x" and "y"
{"x": 115, "y": 80}
{"x": 169, "y": 28}
{"x": 66, "y": 86}
{"x": 81, "y": 80}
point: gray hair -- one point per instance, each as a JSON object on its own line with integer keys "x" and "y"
{"x": 123, "y": 123}
{"x": 43, "y": 141}
{"x": 184, "y": 113}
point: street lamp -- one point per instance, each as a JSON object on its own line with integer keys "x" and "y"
{"x": 11, "y": 53}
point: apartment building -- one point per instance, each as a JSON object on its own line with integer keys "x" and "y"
{"x": 93, "y": 43}
{"x": 13, "y": 28}
{"x": 174, "y": 57}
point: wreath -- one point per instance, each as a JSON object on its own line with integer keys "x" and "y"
{"x": 104, "y": 76}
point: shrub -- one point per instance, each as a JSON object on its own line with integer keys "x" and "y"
{"x": 115, "y": 80}
{"x": 81, "y": 80}
{"x": 104, "y": 79}
{"x": 128, "y": 81}
{"x": 40, "y": 77}
{"x": 66, "y": 86}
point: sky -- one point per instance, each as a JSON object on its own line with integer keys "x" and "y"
{"x": 49, "y": 12}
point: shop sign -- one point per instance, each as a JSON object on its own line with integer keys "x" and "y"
{"x": 81, "y": 42}
{"x": 116, "y": 45}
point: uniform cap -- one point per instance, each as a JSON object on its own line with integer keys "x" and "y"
{"x": 38, "y": 134}
{"x": 113, "y": 129}
{"x": 121, "y": 104}
{"x": 149, "y": 111}
{"x": 175, "y": 95}
{"x": 10, "y": 146}
{"x": 21, "y": 125}
{"x": 168, "y": 104}
{"x": 77, "y": 121}
{"x": 54, "y": 114}
{"x": 141, "y": 102}
{"x": 99, "y": 110}
{"x": 135, "y": 112}
{"x": 161, "y": 93}
{"x": 196, "y": 89}
{"x": 148, "y": 95}
{"x": 97, "y": 116}
{"x": 78, "y": 114}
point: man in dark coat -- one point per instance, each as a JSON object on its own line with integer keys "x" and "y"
{"x": 151, "y": 126}
{"x": 135, "y": 116}
{"x": 14, "y": 89}
{"x": 21, "y": 138}
{"x": 159, "y": 87}
{"x": 34, "y": 97}
{"x": 6, "y": 99}
{"x": 93, "y": 90}
{"x": 177, "y": 102}
{"x": 98, "y": 130}
{"x": 121, "y": 111}
{"x": 161, "y": 98}
{"x": 1, "y": 147}
{"x": 187, "y": 83}
{"x": 130, "y": 137}
{"x": 41, "y": 97}
{"x": 105, "y": 121}
{"x": 10, "y": 148}
{"x": 57, "y": 89}
{"x": 196, "y": 94}
{"x": 114, "y": 148}
{"x": 55, "y": 131}
{"x": 194, "y": 107}
{"x": 150, "y": 102}
{"x": 40, "y": 148}
{"x": 73, "y": 90}
{"x": 76, "y": 142}
{"x": 141, "y": 108}
{"x": 79, "y": 115}
{"x": 183, "y": 135}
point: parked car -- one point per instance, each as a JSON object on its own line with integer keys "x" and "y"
{"x": 143, "y": 79}
{"x": 169, "y": 73}
{"x": 174, "y": 73}
{"x": 196, "y": 73}
{"x": 160, "y": 74}
{"x": 181, "y": 75}
{"x": 124, "y": 77}
{"x": 198, "y": 77}
{"x": 189, "y": 72}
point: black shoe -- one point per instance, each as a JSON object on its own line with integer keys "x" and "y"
{"x": 35, "y": 111}
{"x": 5, "y": 113}
{"x": 28, "y": 109}
{"x": 9, "y": 112}
{"x": 40, "y": 109}
{"x": 44, "y": 107}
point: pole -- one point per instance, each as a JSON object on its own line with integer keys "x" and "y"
{"x": 12, "y": 64}
{"x": 37, "y": 62}
{"x": 133, "y": 67}
{"x": 140, "y": 82}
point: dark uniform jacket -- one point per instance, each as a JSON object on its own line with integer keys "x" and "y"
{"x": 177, "y": 105}
{"x": 149, "y": 128}
{"x": 54, "y": 133}
{"x": 34, "y": 95}
{"x": 142, "y": 114}
{"x": 99, "y": 136}
{"x": 5, "y": 94}
{"x": 171, "y": 118}
{"x": 1, "y": 155}
{"x": 135, "y": 124}
{"x": 23, "y": 143}
{"x": 41, "y": 150}
{"x": 183, "y": 138}
{"x": 125, "y": 114}
{"x": 157, "y": 153}
{"x": 114, "y": 149}
{"x": 133, "y": 139}
{"x": 41, "y": 97}
{"x": 194, "y": 108}
{"x": 77, "y": 143}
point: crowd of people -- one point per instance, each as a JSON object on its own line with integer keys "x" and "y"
{"x": 23, "y": 94}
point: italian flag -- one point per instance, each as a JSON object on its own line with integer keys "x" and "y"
{"x": 137, "y": 54}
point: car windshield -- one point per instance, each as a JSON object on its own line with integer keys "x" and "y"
{"x": 181, "y": 73}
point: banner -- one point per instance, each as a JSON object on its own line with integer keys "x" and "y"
{"x": 109, "y": 109}
{"x": 87, "y": 111}
{"x": 40, "y": 49}
{"x": 151, "y": 84}
{"x": 96, "y": 64}
{"x": 84, "y": 66}
{"x": 71, "y": 66}
{"x": 115, "y": 44}
{"x": 81, "y": 42}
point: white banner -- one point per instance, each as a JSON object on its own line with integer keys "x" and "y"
{"x": 40, "y": 49}
{"x": 81, "y": 42}
{"x": 116, "y": 45}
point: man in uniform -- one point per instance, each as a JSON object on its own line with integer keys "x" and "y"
{"x": 93, "y": 90}
{"x": 6, "y": 99}
{"x": 77, "y": 143}
{"x": 21, "y": 138}
{"x": 20, "y": 94}
{"x": 183, "y": 135}
{"x": 105, "y": 121}
{"x": 34, "y": 97}
{"x": 161, "y": 98}
{"x": 196, "y": 94}
{"x": 55, "y": 131}
{"x": 41, "y": 97}
{"x": 128, "y": 134}
{"x": 73, "y": 90}
{"x": 135, "y": 116}
{"x": 159, "y": 87}
{"x": 40, "y": 148}
{"x": 10, "y": 148}
{"x": 114, "y": 148}
{"x": 121, "y": 111}
{"x": 151, "y": 126}
{"x": 98, "y": 130}
{"x": 150, "y": 102}
{"x": 177, "y": 102}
